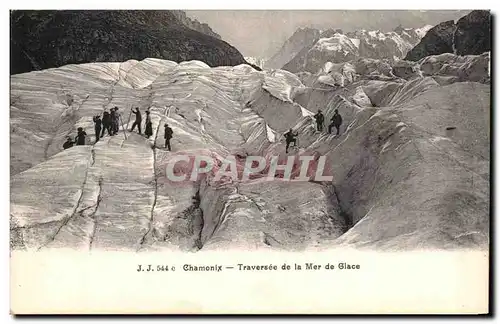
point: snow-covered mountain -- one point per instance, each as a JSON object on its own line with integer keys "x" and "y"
{"x": 302, "y": 38}
{"x": 333, "y": 46}
{"x": 410, "y": 166}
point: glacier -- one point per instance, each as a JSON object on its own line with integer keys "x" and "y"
{"x": 410, "y": 167}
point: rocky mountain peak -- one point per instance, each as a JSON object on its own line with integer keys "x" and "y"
{"x": 473, "y": 33}
{"x": 336, "y": 47}
{"x": 469, "y": 36}
{"x": 194, "y": 24}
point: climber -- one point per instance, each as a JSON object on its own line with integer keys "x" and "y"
{"x": 168, "y": 135}
{"x": 336, "y": 122}
{"x": 98, "y": 125}
{"x": 106, "y": 123}
{"x": 69, "y": 143}
{"x": 138, "y": 120}
{"x": 320, "y": 120}
{"x": 116, "y": 122}
{"x": 149, "y": 126}
{"x": 80, "y": 137}
{"x": 112, "y": 117}
{"x": 290, "y": 137}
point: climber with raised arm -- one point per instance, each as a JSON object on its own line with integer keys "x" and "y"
{"x": 138, "y": 120}
{"x": 336, "y": 121}
{"x": 290, "y": 137}
{"x": 149, "y": 126}
{"x": 168, "y": 136}
{"x": 320, "y": 120}
{"x": 97, "y": 127}
{"x": 80, "y": 137}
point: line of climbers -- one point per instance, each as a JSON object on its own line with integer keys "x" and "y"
{"x": 110, "y": 122}
{"x": 335, "y": 121}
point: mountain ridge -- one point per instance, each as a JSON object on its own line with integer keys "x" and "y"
{"x": 195, "y": 24}
{"x": 46, "y": 39}
{"x": 302, "y": 37}
{"x": 335, "y": 46}
{"x": 470, "y": 35}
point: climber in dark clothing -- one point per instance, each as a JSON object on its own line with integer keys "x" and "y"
{"x": 112, "y": 117}
{"x": 80, "y": 137}
{"x": 69, "y": 143}
{"x": 149, "y": 126}
{"x": 168, "y": 136}
{"x": 116, "y": 122}
{"x": 106, "y": 123}
{"x": 320, "y": 120}
{"x": 138, "y": 120}
{"x": 290, "y": 137}
{"x": 97, "y": 126}
{"x": 336, "y": 122}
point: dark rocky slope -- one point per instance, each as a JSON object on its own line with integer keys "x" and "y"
{"x": 472, "y": 36}
{"x": 469, "y": 36}
{"x": 47, "y": 39}
{"x": 438, "y": 40}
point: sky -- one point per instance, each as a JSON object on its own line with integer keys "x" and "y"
{"x": 261, "y": 33}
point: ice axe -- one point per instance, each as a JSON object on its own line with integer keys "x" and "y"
{"x": 121, "y": 121}
{"x": 129, "y": 115}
